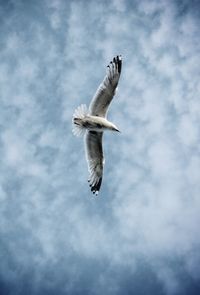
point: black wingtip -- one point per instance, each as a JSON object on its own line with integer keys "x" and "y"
{"x": 96, "y": 187}
{"x": 119, "y": 63}
{"x": 117, "y": 60}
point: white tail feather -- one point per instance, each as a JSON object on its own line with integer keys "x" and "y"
{"x": 79, "y": 113}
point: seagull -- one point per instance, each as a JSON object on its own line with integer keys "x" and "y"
{"x": 92, "y": 122}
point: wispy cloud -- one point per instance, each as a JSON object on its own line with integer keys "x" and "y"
{"x": 144, "y": 225}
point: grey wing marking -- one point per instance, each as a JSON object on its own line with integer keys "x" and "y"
{"x": 106, "y": 90}
{"x": 94, "y": 155}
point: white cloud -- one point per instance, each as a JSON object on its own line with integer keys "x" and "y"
{"x": 188, "y": 131}
{"x": 148, "y": 208}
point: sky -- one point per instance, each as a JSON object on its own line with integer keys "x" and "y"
{"x": 141, "y": 234}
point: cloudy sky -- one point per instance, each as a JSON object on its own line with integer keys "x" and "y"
{"x": 141, "y": 235}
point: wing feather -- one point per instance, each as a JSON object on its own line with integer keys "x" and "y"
{"x": 106, "y": 90}
{"x": 94, "y": 156}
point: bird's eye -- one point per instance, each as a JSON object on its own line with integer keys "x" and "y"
{"x": 99, "y": 125}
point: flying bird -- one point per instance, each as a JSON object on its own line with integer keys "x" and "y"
{"x": 92, "y": 122}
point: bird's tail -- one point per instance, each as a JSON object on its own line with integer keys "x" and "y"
{"x": 78, "y": 129}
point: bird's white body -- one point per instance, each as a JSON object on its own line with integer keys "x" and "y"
{"x": 93, "y": 122}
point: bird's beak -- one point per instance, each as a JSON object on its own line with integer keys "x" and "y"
{"x": 114, "y": 128}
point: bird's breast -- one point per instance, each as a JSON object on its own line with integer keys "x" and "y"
{"x": 95, "y": 123}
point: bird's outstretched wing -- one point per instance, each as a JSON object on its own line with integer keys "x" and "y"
{"x": 106, "y": 90}
{"x": 94, "y": 156}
